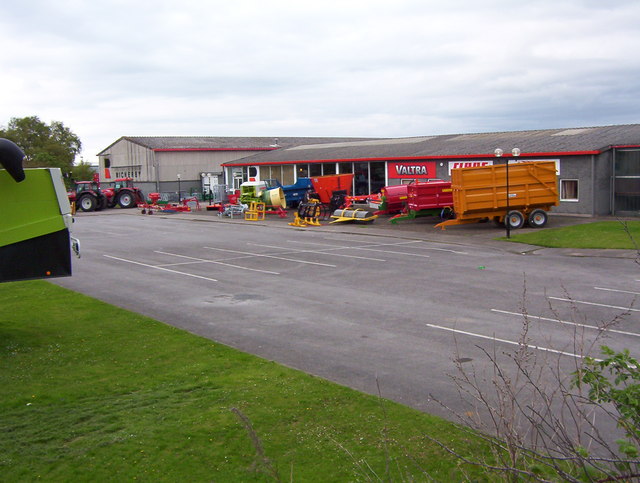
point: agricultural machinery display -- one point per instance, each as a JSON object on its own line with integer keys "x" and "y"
{"x": 329, "y": 199}
{"x": 295, "y": 193}
{"x": 123, "y": 193}
{"x": 92, "y": 196}
{"x": 511, "y": 195}
{"x": 35, "y": 239}
{"x": 420, "y": 198}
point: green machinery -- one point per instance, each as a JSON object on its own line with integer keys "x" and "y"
{"x": 35, "y": 226}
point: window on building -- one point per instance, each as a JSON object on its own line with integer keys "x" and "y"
{"x": 568, "y": 190}
{"x": 302, "y": 170}
{"x": 361, "y": 179}
{"x": 378, "y": 176}
{"x": 315, "y": 170}
{"x": 328, "y": 168}
{"x": 287, "y": 175}
{"x": 345, "y": 168}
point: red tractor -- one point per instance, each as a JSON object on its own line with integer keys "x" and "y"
{"x": 88, "y": 196}
{"x": 123, "y": 193}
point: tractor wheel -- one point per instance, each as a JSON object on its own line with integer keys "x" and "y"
{"x": 87, "y": 203}
{"x": 102, "y": 203}
{"x": 537, "y": 218}
{"x": 126, "y": 199}
{"x": 515, "y": 219}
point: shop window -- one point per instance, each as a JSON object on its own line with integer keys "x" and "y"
{"x": 569, "y": 190}
{"x": 345, "y": 168}
{"x": 378, "y": 176}
{"x": 361, "y": 178}
{"x": 302, "y": 170}
{"x": 287, "y": 175}
{"x": 315, "y": 170}
{"x": 328, "y": 168}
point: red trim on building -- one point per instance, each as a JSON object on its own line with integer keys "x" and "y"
{"x": 167, "y": 150}
{"x": 623, "y": 146}
{"x": 412, "y": 158}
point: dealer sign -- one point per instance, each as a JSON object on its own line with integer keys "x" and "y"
{"x": 413, "y": 170}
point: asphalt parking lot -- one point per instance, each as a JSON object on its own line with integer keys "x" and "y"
{"x": 368, "y": 306}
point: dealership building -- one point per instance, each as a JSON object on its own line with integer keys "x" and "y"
{"x": 598, "y": 167}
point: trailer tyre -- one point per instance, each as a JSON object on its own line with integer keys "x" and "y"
{"x": 537, "y": 218}
{"x": 515, "y": 219}
{"x": 87, "y": 203}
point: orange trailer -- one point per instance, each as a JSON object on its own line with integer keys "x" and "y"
{"x": 326, "y": 185}
{"x": 480, "y": 194}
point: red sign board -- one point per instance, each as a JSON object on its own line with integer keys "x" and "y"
{"x": 412, "y": 170}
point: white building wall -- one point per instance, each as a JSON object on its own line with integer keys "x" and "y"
{"x": 127, "y": 159}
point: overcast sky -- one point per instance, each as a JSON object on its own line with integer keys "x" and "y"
{"x": 394, "y": 68}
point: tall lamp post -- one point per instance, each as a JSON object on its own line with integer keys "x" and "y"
{"x": 516, "y": 152}
{"x": 179, "y": 197}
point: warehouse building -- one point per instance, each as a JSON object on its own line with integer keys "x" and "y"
{"x": 598, "y": 167}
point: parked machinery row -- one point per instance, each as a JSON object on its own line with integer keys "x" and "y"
{"x": 93, "y": 196}
{"x": 514, "y": 194}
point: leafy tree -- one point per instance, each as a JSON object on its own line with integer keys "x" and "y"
{"x": 82, "y": 171}
{"x": 52, "y": 145}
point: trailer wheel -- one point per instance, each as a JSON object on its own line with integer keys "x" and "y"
{"x": 515, "y": 220}
{"x": 537, "y": 218}
{"x": 87, "y": 203}
{"x": 447, "y": 214}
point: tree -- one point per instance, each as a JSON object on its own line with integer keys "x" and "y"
{"x": 82, "y": 171}
{"x": 45, "y": 145}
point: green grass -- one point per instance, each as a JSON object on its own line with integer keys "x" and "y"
{"x": 603, "y": 234}
{"x": 93, "y": 392}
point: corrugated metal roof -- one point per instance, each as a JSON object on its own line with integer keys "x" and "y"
{"x": 547, "y": 141}
{"x": 221, "y": 142}
{"x": 290, "y": 149}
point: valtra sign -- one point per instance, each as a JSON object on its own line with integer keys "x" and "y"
{"x": 415, "y": 170}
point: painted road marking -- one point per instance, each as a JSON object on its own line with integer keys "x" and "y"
{"x": 161, "y": 268}
{"x": 368, "y": 247}
{"x": 403, "y": 243}
{"x": 271, "y": 256}
{"x": 505, "y": 341}
{"x": 318, "y": 251}
{"x": 593, "y": 303}
{"x": 616, "y": 290}
{"x": 586, "y": 326}
{"x": 203, "y": 260}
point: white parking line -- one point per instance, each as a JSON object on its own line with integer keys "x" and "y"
{"x": 593, "y": 303}
{"x": 204, "y": 260}
{"x": 616, "y": 290}
{"x": 368, "y": 247}
{"x": 399, "y": 243}
{"x": 161, "y": 268}
{"x": 546, "y": 349}
{"x": 271, "y": 256}
{"x": 319, "y": 251}
{"x": 567, "y": 322}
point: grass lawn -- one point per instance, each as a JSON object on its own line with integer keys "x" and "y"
{"x": 93, "y": 392}
{"x": 602, "y": 234}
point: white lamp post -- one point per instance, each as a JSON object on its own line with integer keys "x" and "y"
{"x": 498, "y": 153}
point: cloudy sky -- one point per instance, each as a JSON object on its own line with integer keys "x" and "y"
{"x": 393, "y": 68}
